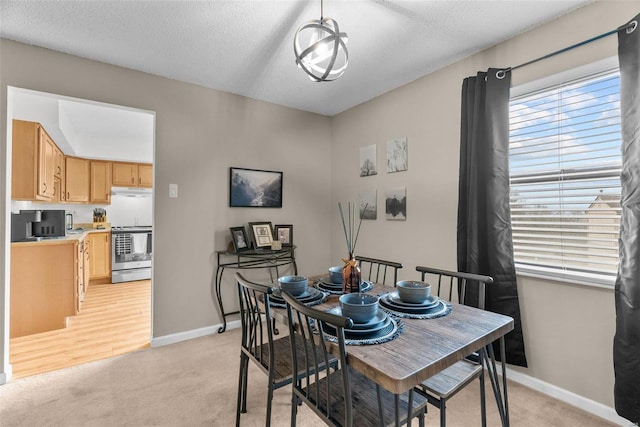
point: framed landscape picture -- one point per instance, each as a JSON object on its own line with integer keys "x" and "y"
{"x": 255, "y": 188}
{"x": 367, "y": 200}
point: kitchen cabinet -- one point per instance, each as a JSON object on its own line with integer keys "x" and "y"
{"x": 100, "y": 182}
{"x": 33, "y": 162}
{"x": 43, "y": 293}
{"x": 145, "y": 175}
{"x": 100, "y": 255}
{"x": 58, "y": 163}
{"x": 77, "y": 172}
{"x": 132, "y": 174}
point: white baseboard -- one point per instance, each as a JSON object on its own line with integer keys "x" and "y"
{"x": 6, "y": 375}
{"x": 194, "y": 333}
{"x": 588, "y": 405}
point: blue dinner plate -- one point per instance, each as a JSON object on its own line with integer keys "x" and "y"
{"x": 386, "y": 302}
{"x": 377, "y": 323}
{"x": 394, "y": 297}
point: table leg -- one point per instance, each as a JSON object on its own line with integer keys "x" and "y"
{"x": 499, "y": 394}
{"x": 219, "y": 272}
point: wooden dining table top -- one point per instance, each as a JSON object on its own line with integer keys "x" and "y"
{"x": 425, "y": 347}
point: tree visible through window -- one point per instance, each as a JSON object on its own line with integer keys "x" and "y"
{"x": 565, "y": 164}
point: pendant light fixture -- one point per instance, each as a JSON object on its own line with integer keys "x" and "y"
{"x": 321, "y": 49}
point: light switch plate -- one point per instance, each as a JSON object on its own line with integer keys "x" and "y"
{"x": 173, "y": 191}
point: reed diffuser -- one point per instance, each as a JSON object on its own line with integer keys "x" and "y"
{"x": 350, "y": 272}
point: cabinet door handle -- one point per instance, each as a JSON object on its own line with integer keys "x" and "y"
{"x": 68, "y": 195}
{"x": 54, "y": 191}
{"x": 59, "y": 170}
{"x": 45, "y": 187}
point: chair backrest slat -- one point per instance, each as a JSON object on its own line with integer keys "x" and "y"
{"x": 307, "y": 327}
{"x": 466, "y": 285}
{"x": 375, "y": 270}
{"x": 255, "y": 339}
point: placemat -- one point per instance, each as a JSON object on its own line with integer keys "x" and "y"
{"x": 389, "y": 333}
{"x": 366, "y": 286}
{"x": 445, "y": 308}
{"x": 279, "y": 302}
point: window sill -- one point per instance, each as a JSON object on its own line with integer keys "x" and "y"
{"x": 582, "y": 279}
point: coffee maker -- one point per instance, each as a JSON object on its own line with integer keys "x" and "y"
{"x": 31, "y": 225}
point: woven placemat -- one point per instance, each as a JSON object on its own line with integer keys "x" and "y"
{"x": 389, "y": 333}
{"x": 445, "y": 308}
{"x": 366, "y": 286}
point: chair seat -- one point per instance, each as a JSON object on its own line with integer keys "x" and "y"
{"x": 283, "y": 368}
{"x": 365, "y": 400}
{"x": 451, "y": 380}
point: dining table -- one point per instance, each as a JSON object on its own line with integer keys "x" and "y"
{"x": 427, "y": 346}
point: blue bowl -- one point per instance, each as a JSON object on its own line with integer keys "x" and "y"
{"x": 335, "y": 274}
{"x": 295, "y": 285}
{"x": 361, "y": 308}
{"x": 413, "y": 291}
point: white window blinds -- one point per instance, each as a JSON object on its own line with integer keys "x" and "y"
{"x": 565, "y": 164}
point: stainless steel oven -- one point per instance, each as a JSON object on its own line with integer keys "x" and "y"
{"x": 131, "y": 253}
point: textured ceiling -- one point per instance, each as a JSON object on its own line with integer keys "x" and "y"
{"x": 246, "y": 47}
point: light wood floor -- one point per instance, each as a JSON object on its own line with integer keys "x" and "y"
{"x": 114, "y": 319}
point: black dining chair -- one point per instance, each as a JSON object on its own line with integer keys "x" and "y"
{"x": 343, "y": 397}
{"x": 468, "y": 289}
{"x": 272, "y": 356}
{"x": 375, "y": 270}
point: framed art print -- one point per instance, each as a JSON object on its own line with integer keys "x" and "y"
{"x": 261, "y": 232}
{"x": 255, "y": 188}
{"x": 284, "y": 233}
{"x": 239, "y": 239}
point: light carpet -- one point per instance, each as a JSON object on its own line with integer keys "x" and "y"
{"x": 194, "y": 383}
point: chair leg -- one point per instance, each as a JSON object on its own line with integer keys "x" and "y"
{"x": 269, "y": 399}
{"x": 483, "y": 406}
{"x": 294, "y": 408}
{"x": 244, "y": 384}
{"x": 241, "y": 397}
{"x": 443, "y": 413}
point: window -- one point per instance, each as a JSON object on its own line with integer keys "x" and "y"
{"x": 565, "y": 163}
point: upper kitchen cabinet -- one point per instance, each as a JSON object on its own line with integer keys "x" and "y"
{"x": 100, "y": 182}
{"x": 77, "y": 172}
{"x": 132, "y": 174}
{"x": 33, "y": 163}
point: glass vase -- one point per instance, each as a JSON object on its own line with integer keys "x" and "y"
{"x": 350, "y": 275}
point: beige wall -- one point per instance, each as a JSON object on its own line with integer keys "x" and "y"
{"x": 568, "y": 329}
{"x": 199, "y": 133}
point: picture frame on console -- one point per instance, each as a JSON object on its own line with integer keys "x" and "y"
{"x": 239, "y": 239}
{"x": 262, "y": 234}
{"x": 284, "y": 233}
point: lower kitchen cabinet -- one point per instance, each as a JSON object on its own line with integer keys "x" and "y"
{"x": 100, "y": 256}
{"x": 44, "y": 286}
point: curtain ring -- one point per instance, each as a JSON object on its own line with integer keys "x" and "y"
{"x": 632, "y": 27}
{"x": 501, "y": 74}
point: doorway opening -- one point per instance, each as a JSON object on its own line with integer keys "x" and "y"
{"x": 108, "y": 317}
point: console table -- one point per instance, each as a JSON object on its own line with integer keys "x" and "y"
{"x": 252, "y": 259}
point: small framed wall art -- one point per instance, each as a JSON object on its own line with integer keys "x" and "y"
{"x": 284, "y": 233}
{"x": 368, "y": 160}
{"x": 239, "y": 239}
{"x": 397, "y": 155}
{"x": 255, "y": 188}
{"x": 261, "y": 232}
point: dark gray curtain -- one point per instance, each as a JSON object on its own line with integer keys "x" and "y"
{"x": 485, "y": 244}
{"x": 626, "y": 343}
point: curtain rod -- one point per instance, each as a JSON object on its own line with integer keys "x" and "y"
{"x": 630, "y": 27}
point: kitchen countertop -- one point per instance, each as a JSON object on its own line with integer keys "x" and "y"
{"x": 77, "y": 234}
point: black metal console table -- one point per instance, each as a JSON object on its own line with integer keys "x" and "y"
{"x": 259, "y": 258}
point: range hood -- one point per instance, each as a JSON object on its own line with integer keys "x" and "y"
{"x": 131, "y": 191}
